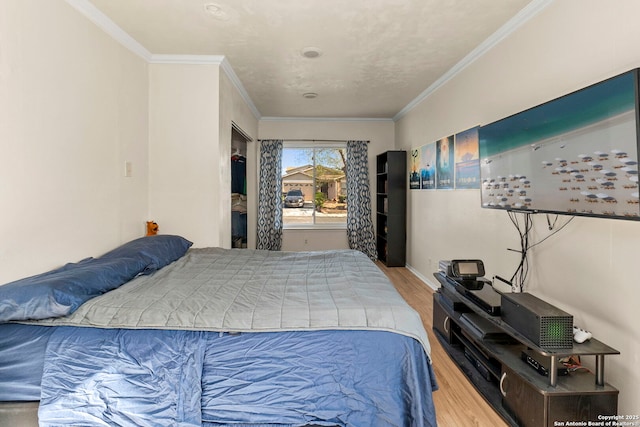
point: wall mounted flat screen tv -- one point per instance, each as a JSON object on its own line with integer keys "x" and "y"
{"x": 575, "y": 155}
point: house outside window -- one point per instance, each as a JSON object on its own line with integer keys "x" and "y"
{"x": 318, "y": 173}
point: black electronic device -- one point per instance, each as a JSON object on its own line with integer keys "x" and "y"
{"x": 486, "y": 298}
{"x": 450, "y": 299}
{"x": 471, "y": 284}
{"x": 540, "y": 363}
{"x": 479, "y": 291}
{"x": 544, "y": 324}
{"x": 467, "y": 272}
{"x": 476, "y": 363}
{"x": 483, "y": 329}
{"x": 475, "y": 352}
{"x": 467, "y": 269}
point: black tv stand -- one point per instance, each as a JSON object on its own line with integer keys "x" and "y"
{"x": 489, "y": 352}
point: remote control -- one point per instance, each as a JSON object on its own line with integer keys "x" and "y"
{"x": 580, "y": 335}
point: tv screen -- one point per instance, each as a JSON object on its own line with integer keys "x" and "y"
{"x": 575, "y": 155}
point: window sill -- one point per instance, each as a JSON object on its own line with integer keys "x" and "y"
{"x": 323, "y": 227}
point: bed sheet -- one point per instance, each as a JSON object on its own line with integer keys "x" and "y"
{"x": 187, "y": 378}
{"x": 22, "y": 349}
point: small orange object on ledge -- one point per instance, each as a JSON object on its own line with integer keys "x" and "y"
{"x": 152, "y": 228}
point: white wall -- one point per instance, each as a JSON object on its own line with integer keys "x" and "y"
{"x": 586, "y": 268}
{"x": 379, "y": 133}
{"x": 184, "y": 178}
{"x": 73, "y": 109}
{"x": 191, "y": 109}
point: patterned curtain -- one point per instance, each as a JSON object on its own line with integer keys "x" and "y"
{"x": 360, "y": 232}
{"x": 270, "y": 196}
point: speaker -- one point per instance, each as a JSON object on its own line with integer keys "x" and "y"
{"x": 542, "y": 323}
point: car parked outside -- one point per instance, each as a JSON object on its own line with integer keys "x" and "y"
{"x": 294, "y": 199}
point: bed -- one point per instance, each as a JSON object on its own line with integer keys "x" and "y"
{"x": 173, "y": 335}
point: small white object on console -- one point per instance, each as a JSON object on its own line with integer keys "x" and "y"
{"x": 580, "y": 335}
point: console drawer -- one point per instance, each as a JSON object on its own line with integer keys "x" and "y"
{"x": 535, "y": 407}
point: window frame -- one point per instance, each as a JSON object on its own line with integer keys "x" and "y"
{"x": 306, "y": 145}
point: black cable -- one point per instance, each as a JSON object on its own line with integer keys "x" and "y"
{"x": 520, "y": 275}
{"x": 561, "y": 227}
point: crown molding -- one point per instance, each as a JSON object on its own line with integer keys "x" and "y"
{"x": 528, "y": 12}
{"x": 186, "y": 59}
{"x": 108, "y": 26}
{"x": 111, "y": 28}
{"x": 235, "y": 80}
{"x": 325, "y": 119}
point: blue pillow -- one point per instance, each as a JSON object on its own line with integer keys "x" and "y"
{"x": 60, "y": 292}
{"x": 157, "y": 251}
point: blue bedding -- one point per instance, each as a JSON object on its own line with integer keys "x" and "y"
{"x": 322, "y": 378}
{"x": 116, "y": 377}
{"x": 187, "y": 378}
{"x": 22, "y": 349}
{"x": 319, "y": 338}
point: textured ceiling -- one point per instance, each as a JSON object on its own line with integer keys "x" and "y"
{"x": 377, "y": 55}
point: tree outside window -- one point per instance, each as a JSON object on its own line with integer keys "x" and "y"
{"x": 319, "y": 175}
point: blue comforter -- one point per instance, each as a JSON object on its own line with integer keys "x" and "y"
{"x": 22, "y": 350}
{"x": 117, "y": 377}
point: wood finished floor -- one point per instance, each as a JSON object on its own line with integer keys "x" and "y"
{"x": 457, "y": 402}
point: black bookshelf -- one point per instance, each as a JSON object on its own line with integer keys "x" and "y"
{"x": 391, "y": 207}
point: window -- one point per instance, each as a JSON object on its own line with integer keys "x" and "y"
{"x": 314, "y": 186}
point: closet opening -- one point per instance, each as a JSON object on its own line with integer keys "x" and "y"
{"x": 239, "y": 142}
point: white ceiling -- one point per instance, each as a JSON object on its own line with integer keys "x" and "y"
{"x": 377, "y": 56}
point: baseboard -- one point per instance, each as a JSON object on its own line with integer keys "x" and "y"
{"x": 419, "y": 275}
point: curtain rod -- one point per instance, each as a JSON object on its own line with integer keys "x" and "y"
{"x": 311, "y": 140}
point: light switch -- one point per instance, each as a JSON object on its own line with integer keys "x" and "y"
{"x": 127, "y": 169}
